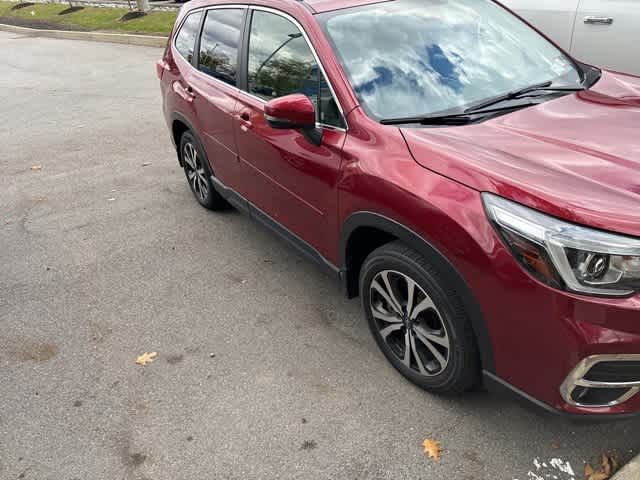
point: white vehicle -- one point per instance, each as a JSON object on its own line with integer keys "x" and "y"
{"x": 604, "y": 33}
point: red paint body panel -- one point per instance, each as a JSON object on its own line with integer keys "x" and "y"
{"x": 287, "y": 177}
{"x": 576, "y": 157}
{"x": 328, "y": 5}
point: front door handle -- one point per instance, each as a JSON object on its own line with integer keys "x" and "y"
{"x": 598, "y": 20}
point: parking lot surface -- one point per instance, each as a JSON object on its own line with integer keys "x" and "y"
{"x": 263, "y": 371}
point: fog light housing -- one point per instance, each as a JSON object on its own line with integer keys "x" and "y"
{"x": 602, "y": 381}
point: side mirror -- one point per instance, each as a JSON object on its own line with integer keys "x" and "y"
{"x": 294, "y": 112}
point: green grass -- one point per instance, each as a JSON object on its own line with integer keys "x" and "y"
{"x": 91, "y": 18}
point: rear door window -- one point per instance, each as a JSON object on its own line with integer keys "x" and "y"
{"x": 186, "y": 38}
{"x": 219, "y": 44}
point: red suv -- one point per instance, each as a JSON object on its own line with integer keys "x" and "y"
{"x": 476, "y": 186}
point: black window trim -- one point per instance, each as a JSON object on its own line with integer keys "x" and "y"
{"x": 243, "y": 53}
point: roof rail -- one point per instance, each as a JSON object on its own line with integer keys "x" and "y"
{"x": 309, "y": 7}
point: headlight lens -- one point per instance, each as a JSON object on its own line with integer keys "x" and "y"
{"x": 565, "y": 255}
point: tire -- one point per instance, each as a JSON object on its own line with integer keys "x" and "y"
{"x": 442, "y": 356}
{"x": 196, "y": 169}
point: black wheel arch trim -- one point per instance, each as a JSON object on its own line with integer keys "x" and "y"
{"x": 175, "y": 116}
{"x": 380, "y": 222}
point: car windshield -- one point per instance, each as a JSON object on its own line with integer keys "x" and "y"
{"x": 418, "y": 57}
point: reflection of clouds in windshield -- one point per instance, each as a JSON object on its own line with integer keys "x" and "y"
{"x": 417, "y": 56}
{"x": 448, "y": 74}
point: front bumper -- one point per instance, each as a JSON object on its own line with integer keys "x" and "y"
{"x": 545, "y": 341}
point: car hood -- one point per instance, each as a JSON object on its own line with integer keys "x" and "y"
{"x": 576, "y": 157}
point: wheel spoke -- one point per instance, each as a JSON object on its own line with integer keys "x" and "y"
{"x": 195, "y": 182}
{"x": 434, "y": 351}
{"x": 190, "y": 175}
{"x": 381, "y": 290}
{"x": 385, "y": 332}
{"x": 385, "y": 317}
{"x": 442, "y": 341}
{"x": 189, "y": 156}
{"x": 387, "y": 284}
{"x": 204, "y": 188}
{"x": 407, "y": 349}
{"x": 426, "y": 304}
{"x": 410, "y": 293}
{"x": 415, "y": 354}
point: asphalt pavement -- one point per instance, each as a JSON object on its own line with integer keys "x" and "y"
{"x": 263, "y": 371}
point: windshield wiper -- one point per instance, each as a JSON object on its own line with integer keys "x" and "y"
{"x": 544, "y": 87}
{"x": 455, "y": 118}
{"x": 452, "y": 119}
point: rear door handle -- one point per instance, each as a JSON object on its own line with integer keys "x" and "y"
{"x": 245, "y": 122}
{"x": 185, "y": 92}
{"x": 598, "y": 20}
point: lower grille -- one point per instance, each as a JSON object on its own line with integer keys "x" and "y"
{"x": 622, "y": 371}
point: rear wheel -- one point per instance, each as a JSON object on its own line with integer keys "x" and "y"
{"x": 418, "y": 321}
{"x": 196, "y": 169}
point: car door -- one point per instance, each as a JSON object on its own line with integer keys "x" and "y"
{"x": 212, "y": 86}
{"x": 552, "y": 17}
{"x": 607, "y": 34}
{"x": 288, "y": 178}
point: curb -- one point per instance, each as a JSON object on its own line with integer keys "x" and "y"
{"x": 142, "y": 40}
{"x": 631, "y": 471}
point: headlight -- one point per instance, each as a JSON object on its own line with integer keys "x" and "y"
{"x": 565, "y": 255}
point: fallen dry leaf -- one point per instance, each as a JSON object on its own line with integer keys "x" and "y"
{"x": 36, "y": 167}
{"x": 588, "y": 470}
{"x": 598, "y": 476}
{"x": 608, "y": 466}
{"x": 432, "y": 448}
{"x": 146, "y": 357}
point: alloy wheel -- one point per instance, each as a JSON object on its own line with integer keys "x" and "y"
{"x": 409, "y": 322}
{"x": 196, "y": 173}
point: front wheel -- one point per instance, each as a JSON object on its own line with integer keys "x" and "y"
{"x": 418, "y": 321}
